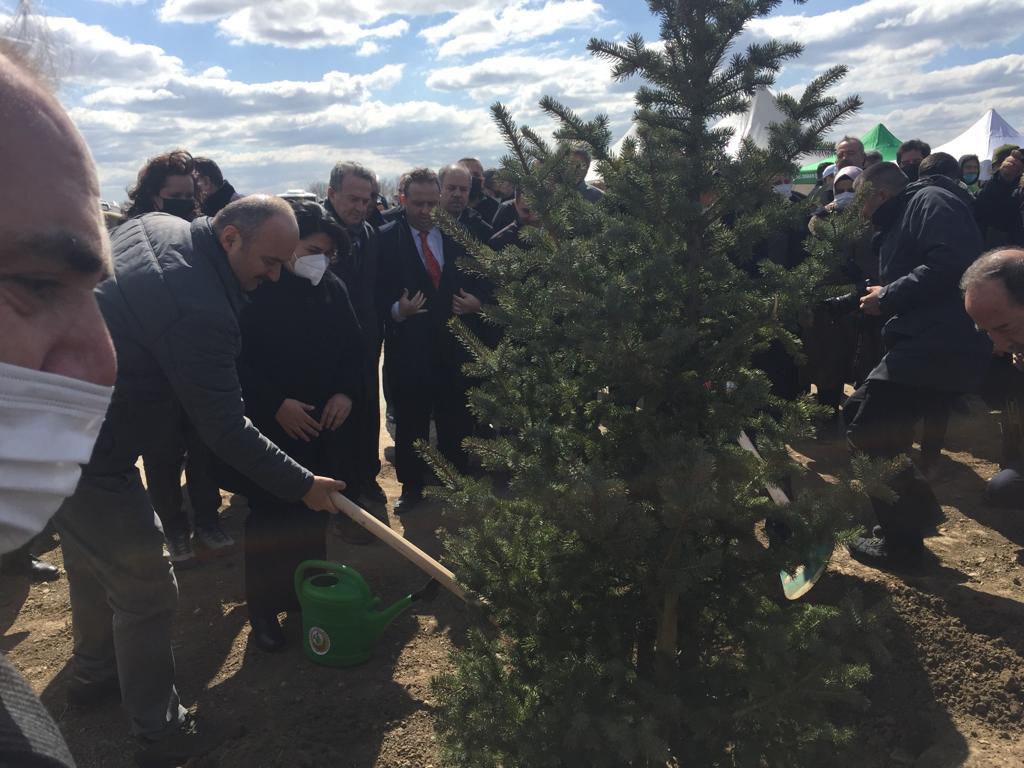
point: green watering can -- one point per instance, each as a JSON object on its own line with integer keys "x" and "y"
{"x": 340, "y": 620}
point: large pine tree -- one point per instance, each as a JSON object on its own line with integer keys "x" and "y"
{"x": 639, "y": 614}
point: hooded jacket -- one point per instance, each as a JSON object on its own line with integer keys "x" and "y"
{"x": 172, "y": 308}
{"x": 926, "y": 238}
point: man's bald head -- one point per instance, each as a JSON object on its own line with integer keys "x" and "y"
{"x": 456, "y": 182}
{"x": 52, "y": 255}
{"x": 993, "y": 289}
{"x": 259, "y": 234}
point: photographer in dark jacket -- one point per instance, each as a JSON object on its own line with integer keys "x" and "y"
{"x": 926, "y": 239}
{"x": 999, "y": 206}
{"x": 301, "y": 372}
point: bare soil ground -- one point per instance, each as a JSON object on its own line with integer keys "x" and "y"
{"x": 951, "y": 693}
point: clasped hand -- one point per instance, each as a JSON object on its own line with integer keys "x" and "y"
{"x": 293, "y": 416}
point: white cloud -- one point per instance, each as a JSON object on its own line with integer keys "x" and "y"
{"x": 519, "y": 80}
{"x": 89, "y": 55}
{"x": 368, "y": 48}
{"x": 899, "y": 54}
{"x": 479, "y": 29}
{"x": 475, "y": 26}
{"x": 132, "y": 101}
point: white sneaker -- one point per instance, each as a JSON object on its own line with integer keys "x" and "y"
{"x": 180, "y": 549}
{"x": 213, "y": 537}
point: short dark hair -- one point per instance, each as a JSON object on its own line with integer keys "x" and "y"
{"x": 887, "y": 176}
{"x": 152, "y": 177}
{"x": 206, "y": 167}
{"x": 821, "y": 169}
{"x": 872, "y": 157}
{"x": 313, "y": 218}
{"x": 917, "y": 144}
{"x": 249, "y": 213}
{"x": 419, "y": 176}
{"x": 940, "y": 164}
{"x": 1006, "y": 264}
{"x": 345, "y": 168}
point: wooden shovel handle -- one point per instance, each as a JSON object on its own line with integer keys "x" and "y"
{"x": 403, "y": 546}
{"x": 777, "y": 494}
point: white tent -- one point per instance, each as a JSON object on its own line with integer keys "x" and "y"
{"x": 753, "y": 123}
{"x": 989, "y": 132}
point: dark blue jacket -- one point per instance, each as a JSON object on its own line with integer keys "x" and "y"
{"x": 172, "y": 307}
{"x": 926, "y": 238}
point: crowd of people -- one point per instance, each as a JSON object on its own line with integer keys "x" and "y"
{"x": 250, "y": 333}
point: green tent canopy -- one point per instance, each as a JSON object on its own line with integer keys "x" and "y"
{"x": 878, "y": 138}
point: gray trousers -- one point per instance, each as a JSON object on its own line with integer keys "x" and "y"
{"x": 123, "y": 597}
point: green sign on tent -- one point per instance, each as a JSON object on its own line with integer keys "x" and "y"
{"x": 878, "y": 138}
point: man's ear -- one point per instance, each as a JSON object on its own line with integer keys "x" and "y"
{"x": 228, "y": 237}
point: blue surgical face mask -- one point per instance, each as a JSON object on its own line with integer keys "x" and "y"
{"x": 970, "y": 178}
{"x": 843, "y": 199}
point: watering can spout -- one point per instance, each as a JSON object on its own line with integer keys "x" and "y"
{"x": 382, "y": 618}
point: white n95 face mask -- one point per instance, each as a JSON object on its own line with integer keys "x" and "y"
{"x": 312, "y": 267}
{"x": 48, "y": 426}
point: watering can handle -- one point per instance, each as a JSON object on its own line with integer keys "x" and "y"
{"x": 343, "y": 572}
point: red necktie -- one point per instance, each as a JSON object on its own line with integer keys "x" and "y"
{"x": 433, "y": 267}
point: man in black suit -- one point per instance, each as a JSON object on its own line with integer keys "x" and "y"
{"x": 349, "y": 199}
{"x": 456, "y": 182}
{"x": 422, "y": 358}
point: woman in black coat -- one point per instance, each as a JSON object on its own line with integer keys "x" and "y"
{"x": 300, "y": 373}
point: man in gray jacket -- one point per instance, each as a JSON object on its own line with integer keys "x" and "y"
{"x": 172, "y": 307}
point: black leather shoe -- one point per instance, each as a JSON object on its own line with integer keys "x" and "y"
{"x": 409, "y": 500}
{"x": 267, "y": 633}
{"x": 83, "y": 693}
{"x": 30, "y": 567}
{"x": 371, "y": 490}
{"x": 876, "y": 551}
{"x": 195, "y": 738}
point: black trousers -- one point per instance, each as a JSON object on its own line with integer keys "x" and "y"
{"x": 279, "y": 535}
{"x": 413, "y": 410}
{"x": 880, "y": 418}
{"x": 367, "y": 416}
{"x": 163, "y": 480}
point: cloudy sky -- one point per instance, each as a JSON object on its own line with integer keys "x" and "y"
{"x": 277, "y": 90}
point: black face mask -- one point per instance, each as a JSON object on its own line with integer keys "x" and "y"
{"x": 182, "y": 207}
{"x": 476, "y": 188}
{"x": 912, "y": 170}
